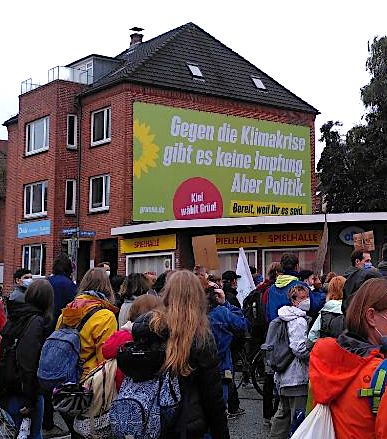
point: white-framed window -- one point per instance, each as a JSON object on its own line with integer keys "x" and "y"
{"x": 99, "y": 193}
{"x": 35, "y": 199}
{"x": 37, "y": 135}
{"x": 72, "y": 129}
{"x": 70, "y": 196}
{"x": 258, "y": 83}
{"x": 33, "y": 259}
{"x": 150, "y": 262}
{"x": 100, "y": 126}
{"x": 195, "y": 70}
{"x": 88, "y": 69}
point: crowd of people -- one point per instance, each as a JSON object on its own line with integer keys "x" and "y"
{"x": 176, "y": 338}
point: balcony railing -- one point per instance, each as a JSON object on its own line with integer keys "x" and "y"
{"x": 63, "y": 73}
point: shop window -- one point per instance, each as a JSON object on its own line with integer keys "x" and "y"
{"x": 228, "y": 260}
{"x": 99, "y": 193}
{"x": 100, "y": 126}
{"x": 33, "y": 259}
{"x": 37, "y": 136}
{"x": 72, "y": 127}
{"x": 35, "y": 200}
{"x": 306, "y": 257}
{"x": 155, "y": 263}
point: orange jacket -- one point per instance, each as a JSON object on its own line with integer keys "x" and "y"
{"x": 336, "y": 376}
{"x": 97, "y": 329}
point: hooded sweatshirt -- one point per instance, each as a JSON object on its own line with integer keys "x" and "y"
{"x": 297, "y": 372}
{"x": 338, "y": 370}
{"x": 278, "y": 294}
{"x": 97, "y": 329}
{"x": 333, "y": 306}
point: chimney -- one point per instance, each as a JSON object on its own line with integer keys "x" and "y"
{"x": 136, "y": 37}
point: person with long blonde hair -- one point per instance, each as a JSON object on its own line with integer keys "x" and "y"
{"x": 181, "y": 324}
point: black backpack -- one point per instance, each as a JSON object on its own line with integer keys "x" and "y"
{"x": 332, "y": 324}
{"x": 253, "y": 310}
{"x": 10, "y": 379}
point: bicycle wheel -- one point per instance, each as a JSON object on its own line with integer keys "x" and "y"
{"x": 241, "y": 368}
{"x": 7, "y": 426}
{"x": 257, "y": 371}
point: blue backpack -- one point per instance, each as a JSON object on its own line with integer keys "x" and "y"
{"x": 377, "y": 387}
{"x": 60, "y": 361}
{"x": 146, "y": 409}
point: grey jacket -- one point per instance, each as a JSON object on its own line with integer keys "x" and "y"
{"x": 18, "y": 294}
{"x": 297, "y": 373}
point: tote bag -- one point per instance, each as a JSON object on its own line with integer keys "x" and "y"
{"x": 317, "y": 425}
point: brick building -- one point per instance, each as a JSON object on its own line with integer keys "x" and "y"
{"x": 3, "y": 165}
{"x": 71, "y": 159}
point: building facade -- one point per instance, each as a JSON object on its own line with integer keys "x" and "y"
{"x": 98, "y": 157}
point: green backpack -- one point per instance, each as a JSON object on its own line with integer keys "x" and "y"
{"x": 378, "y": 385}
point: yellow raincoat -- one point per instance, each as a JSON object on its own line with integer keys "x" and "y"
{"x": 97, "y": 329}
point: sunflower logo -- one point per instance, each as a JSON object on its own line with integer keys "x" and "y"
{"x": 145, "y": 151}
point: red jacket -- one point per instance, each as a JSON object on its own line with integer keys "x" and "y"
{"x": 3, "y": 317}
{"x": 110, "y": 349}
{"x": 336, "y": 376}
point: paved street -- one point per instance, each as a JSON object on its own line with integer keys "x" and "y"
{"x": 248, "y": 426}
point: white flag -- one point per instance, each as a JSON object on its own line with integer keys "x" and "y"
{"x": 245, "y": 282}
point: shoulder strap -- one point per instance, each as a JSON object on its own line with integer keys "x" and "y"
{"x": 26, "y": 328}
{"x": 377, "y": 387}
{"x": 86, "y": 317}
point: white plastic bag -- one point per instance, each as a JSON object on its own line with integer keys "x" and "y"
{"x": 317, "y": 425}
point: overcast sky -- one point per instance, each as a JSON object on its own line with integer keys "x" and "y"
{"x": 317, "y": 49}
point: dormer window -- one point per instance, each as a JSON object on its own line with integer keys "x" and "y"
{"x": 258, "y": 83}
{"x": 195, "y": 70}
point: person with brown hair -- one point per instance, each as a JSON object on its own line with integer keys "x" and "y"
{"x": 181, "y": 324}
{"x": 325, "y": 279}
{"x": 28, "y": 326}
{"x": 140, "y": 306}
{"x": 96, "y": 292}
{"x": 342, "y": 370}
{"x": 330, "y": 321}
{"x": 134, "y": 285}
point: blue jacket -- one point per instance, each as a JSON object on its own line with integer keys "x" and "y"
{"x": 225, "y": 321}
{"x": 65, "y": 291}
{"x": 278, "y": 296}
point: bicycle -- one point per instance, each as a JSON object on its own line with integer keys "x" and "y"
{"x": 249, "y": 367}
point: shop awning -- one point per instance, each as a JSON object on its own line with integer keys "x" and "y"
{"x": 250, "y": 221}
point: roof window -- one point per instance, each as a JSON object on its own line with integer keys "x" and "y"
{"x": 258, "y": 83}
{"x": 194, "y": 69}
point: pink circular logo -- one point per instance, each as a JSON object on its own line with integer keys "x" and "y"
{"x": 197, "y": 198}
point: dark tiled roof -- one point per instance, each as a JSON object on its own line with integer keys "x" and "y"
{"x": 163, "y": 60}
{"x": 11, "y": 120}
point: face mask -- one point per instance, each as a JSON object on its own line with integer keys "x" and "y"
{"x": 367, "y": 265}
{"x": 108, "y": 273}
{"x": 27, "y": 282}
{"x": 304, "y": 305}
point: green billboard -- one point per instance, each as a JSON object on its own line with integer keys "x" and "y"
{"x": 191, "y": 164}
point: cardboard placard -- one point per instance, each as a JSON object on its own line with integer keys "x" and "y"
{"x": 321, "y": 252}
{"x": 205, "y": 251}
{"x": 364, "y": 241}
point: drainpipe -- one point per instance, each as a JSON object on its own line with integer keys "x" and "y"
{"x": 78, "y": 105}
